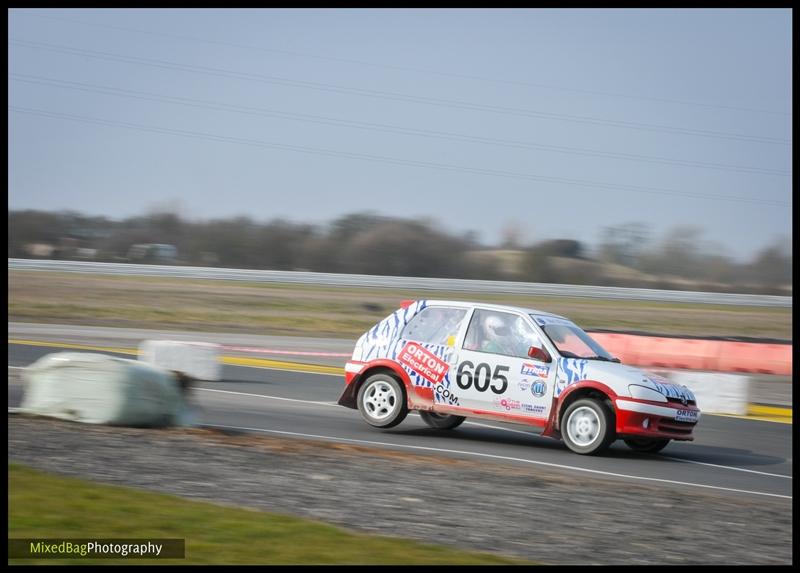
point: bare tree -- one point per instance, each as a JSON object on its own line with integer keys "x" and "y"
{"x": 623, "y": 244}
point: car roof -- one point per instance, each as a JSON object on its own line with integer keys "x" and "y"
{"x": 524, "y": 310}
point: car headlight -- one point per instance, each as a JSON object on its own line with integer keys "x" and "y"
{"x": 644, "y": 393}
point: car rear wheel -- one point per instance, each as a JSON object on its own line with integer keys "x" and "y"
{"x": 647, "y": 445}
{"x": 381, "y": 401}
{"x": 587, "y": 427}
{"x": 441, "y": 421}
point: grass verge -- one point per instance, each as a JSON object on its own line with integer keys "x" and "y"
{"x": 312, "y": 311}
{"x": 47, "y": 506}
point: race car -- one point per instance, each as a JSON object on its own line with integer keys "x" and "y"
{"x": 455, "y": 360}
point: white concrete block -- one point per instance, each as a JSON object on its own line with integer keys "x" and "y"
{"x": 200, "y": 360}
{"x": 716, "y": 392}
{"x": 102, "y": 389}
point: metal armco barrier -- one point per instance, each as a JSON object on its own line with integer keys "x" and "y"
{"x": 376, "y": 281}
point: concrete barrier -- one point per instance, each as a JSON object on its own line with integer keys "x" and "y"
{"x": 198, "y": 360}
{"x": 716, "y": 392}
{"x": 102, "y": 389}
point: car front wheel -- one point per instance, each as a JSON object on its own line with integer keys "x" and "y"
{"x": 587, "y": 427}
{"x": 381, "y": 401}
{"x": 441, "y": 421}
{"x": 647, "y": 445}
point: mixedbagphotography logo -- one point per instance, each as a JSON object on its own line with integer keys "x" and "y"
{"x": 38, "y": 548}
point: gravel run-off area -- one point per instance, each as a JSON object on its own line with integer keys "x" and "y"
{"x": 538, "y": 514}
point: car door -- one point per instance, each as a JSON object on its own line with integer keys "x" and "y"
{"x": 494, "y": 372}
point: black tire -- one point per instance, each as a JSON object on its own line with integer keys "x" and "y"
{"x": 647, "y": 445}
{"x": 382, "y": 401}
{"x": 587, "y": 427}
{"x": 441, "y": 421}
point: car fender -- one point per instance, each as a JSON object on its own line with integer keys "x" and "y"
{"x": 416, "y": 397}
{"x": 553, "y": 424}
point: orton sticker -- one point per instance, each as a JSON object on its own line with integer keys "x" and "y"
{"x": 423, "y": 362}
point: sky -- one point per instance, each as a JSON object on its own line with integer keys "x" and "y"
{"x": 555, "y": 123}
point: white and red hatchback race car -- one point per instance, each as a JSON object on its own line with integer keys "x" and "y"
{"x": 453, "y": 360}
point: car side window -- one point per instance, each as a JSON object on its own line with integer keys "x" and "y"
{"x": 435, "y": 325}
{"x": 500, "y": 333}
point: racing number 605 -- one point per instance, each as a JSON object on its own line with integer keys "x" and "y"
{"x": 482, "y": 377}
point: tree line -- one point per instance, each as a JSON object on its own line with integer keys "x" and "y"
{"x": 365, "y": 243}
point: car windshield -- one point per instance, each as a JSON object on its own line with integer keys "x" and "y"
{"x": 570, "y": 340}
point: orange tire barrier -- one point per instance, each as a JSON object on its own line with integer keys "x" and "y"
{"x": 698, "y": 354}
{"x": 618, "y": 345}
{"x": 662, "y": 352}
{"x": 688, "y": 353}
{"x": 756, "y": 357}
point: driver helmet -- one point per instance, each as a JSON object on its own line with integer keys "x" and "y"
{"x": 495, "y": 328}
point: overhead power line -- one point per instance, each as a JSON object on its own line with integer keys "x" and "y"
{"x": 386, "y": 128}
{"x": 453, "y": 104}
{"x": 390, "y": 160}
{"x": 329, "y": 58}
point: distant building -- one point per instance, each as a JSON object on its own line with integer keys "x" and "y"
{"x": 153, "y": 253}
{"x": 85, "y": 253}
{"x": 509, "y": 261}
{"x": 39, "y": 249}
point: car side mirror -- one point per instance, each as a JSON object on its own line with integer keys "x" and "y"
{"x": 538, "y": 354}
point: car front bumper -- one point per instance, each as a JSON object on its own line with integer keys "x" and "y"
{"x": 647, "y": 419}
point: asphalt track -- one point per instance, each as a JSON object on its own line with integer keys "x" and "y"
{"x": 730, "y": 456}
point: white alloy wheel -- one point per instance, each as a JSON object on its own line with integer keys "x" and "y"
{"x": 587, "y": 426}
{"x": 381, "y": 401}
{"x": 583, "y": 426}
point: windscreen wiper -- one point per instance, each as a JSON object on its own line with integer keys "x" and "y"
{"x": 603, "y": 358}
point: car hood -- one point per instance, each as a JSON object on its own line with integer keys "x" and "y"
{"x": 618, "y": 377}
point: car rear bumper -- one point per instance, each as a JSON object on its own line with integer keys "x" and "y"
{"x": 639, "y": 418}
{"x": 352, "y": 370}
